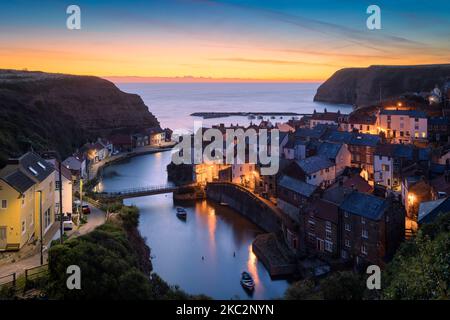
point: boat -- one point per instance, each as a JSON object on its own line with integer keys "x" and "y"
{"x": 225, "y": 204}
{"x": 260, "y": 117}
{"x": 251, "y": 117}
{"x": 181, "y": 213}
{"x": 247, "y": 281}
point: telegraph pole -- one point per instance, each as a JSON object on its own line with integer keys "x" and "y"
{"x": 61, "y": 225}
{"x": 40, "y": 227}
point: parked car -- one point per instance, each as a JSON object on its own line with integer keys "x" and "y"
{"x": 86, "y": 209}
{"x": 67, "y": 221}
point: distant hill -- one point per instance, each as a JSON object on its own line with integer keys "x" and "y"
{"x": 361, "y": 86}
{"x": 59, "y": 111}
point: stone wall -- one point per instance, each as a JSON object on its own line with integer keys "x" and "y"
{"x": 246, "y": 203}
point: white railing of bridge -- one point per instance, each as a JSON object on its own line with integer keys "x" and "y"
{"x": 137, "y": 190}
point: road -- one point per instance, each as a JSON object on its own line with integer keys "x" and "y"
{"x": 95, "y": 219}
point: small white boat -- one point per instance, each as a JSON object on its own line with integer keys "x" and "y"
{"x": 247, "y": 281}
{"x": 181, "y": 213}
{"x": 225, "y": 204}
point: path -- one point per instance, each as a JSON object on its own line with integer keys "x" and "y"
{"x": 96, "y": 218}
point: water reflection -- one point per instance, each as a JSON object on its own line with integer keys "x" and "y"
{"x": 218, "y": 234}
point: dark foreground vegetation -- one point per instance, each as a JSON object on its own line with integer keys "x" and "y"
{"x": 114, "y": 261}
{"x": 419, "y": 270}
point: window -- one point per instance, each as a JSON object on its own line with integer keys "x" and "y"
{"x": 346, "y": 214}
{"x": 416, "y": 134}
{"x": 4, "y": 204}
{"x": 33, "y": 171}
{"x": 365, "y": 234}
{"x": 328, "y": 224}
{"x": 424, "y": 134}
{"x": 344, "y": 254}
{"x": 364, "y": 249}
{"x": 328, "y": 246}
{"x": 311, "y": 237}
{"x": 416, "y": 119}
{"x": 47, "y": 218}
{"x": 24, "y": 228}
{"x": 347, "y": 227}
{"x": 385, "y": 167}
{"x": 57, "y": 184}
{"x": 328, "y": 234}
{"x": 363, "y": 221}
{"x": 41, "y": 165}
{"x": 347, "y": 243}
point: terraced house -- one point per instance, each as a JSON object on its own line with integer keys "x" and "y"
{"x": 27, "y": 189}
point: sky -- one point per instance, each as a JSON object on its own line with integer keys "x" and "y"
{"x": 282, "y": 40}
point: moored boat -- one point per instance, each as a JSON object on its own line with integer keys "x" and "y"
{"x": 247, "y": 281}
{"x": 181, "y": 213}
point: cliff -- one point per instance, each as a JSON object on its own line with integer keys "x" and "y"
{"x": 58, "y": 111}
{"x": 362, "y": 86}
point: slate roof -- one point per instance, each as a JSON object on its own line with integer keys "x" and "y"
{"x": 431, "y": 209}
{"x": 362, "y": 139}
{"x": 34, "y": 166}
{"x": 18, "y": 180}
{"x": 329, "y": 150}
{"x": 313, "y": 164}
{"x": 410, "y": 113}
{"x": 297, "y": 186}
{"x": 339, "y": 136}
{"x": 364, "y": 205}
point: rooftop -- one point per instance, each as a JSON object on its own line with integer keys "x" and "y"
{"x": 329, "y": 150}
{"x": 364, "y": 205}
{"x": 409, "y": 113}
{"x": 18, "y": 180}
{"x": 313, "y": 164}
{"x": 297, "y": 186}
{"x": 430, "y": 209}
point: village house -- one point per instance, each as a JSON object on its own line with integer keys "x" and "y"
{"x": 430, "y": 210}
{"x": 67, "y": 187}
{"x": 96, "y": 152}
{"x": 390, "y": 161}
{"x": 416, "y": 190}
{"x": 337, "y": 153}
{"x": 439, "y": 129}
{"x": 321, "y": 229}
{"x": 122, "y": 142}
{"x": 27, "y": 190}
{"x": 361, "y": 147}
{"x": 140, "y": 140}
{"x": 315, "y": 170}
{"x": 292, "y": 197}
{"x": 156, "y": 136}
{"x": 360, "y": 123}
{"x": 371, "y": 229}
{"x": 325, "y": 118}
{"x": 77, "y": 164}
{"x": 403, "y": 126}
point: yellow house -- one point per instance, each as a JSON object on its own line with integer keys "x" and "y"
{"x": 26, "y": 185}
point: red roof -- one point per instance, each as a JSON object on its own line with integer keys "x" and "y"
{"x": 324, "y": 210}
{"x": 358, "y": 183}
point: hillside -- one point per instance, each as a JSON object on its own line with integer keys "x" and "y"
{"x": 361, "y": 86}
{"x": 58, "y": 111}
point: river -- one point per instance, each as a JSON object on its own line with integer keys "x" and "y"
{"x": 204, "y": 254}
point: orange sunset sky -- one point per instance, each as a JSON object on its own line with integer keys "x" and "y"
{"x": 222, "y": 40}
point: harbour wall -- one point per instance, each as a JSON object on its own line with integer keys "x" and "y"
{"x": 246, "y": 203}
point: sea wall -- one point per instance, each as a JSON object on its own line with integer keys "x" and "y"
{"x": 246, "y": 203}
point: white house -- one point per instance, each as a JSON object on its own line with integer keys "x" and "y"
{"x": 317, "y": 170}
{"x": 333, "y": 118}
{"x": 337, "y": 153}
{"x": 403, "y": 126}
{"x": 67, "y": 192}
{"x": 77, "y": 165}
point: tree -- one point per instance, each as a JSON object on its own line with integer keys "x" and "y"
{"x": 302, "y": 290}
{"x": 344, "y": 285}
{"x": 421, "y": 267}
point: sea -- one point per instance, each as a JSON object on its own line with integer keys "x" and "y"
{"x": 172, "y": 103}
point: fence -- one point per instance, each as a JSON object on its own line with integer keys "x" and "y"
{"x": 20, "y": 283}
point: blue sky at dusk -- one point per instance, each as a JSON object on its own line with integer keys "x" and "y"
{"x": 273, "y": 40}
